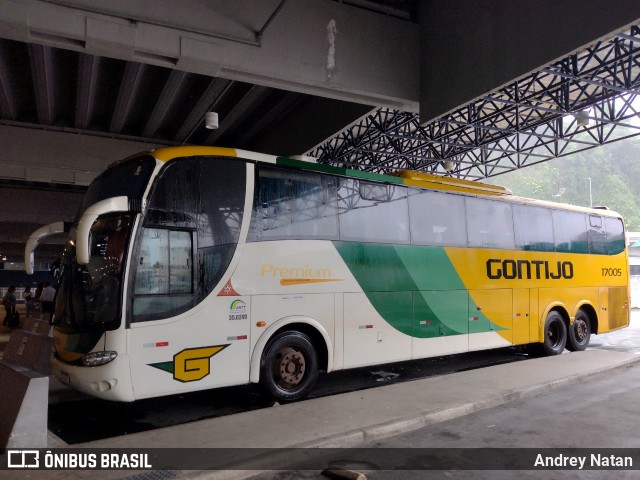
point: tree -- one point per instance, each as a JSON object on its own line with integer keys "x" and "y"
{"x": 613, "y": 169}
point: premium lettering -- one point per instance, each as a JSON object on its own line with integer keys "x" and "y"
{"x": 528, "y": 269}
{"x": 295, "y": 272}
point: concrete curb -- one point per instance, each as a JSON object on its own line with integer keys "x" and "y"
{"x": 394, "y": 427}
{"x": 357, "y": 437}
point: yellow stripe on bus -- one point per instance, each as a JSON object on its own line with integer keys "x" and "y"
{"x": 169, "y": 153}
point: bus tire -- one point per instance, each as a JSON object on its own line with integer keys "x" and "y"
{"x": 289, "y": 367}
{"x": 579, "y": 333}
{"x": 555, "y": 334}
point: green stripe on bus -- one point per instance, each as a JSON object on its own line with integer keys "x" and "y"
{"x": 165, "y": 366}
{"x": 415, "y": 289}
{"x": 321, "y": 167}
{"x": 440, "y": 313}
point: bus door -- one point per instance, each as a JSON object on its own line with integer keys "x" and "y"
{"x": 177, "y": 340}
{"x": 614, "y": 308}
{"x": 603, "y": 314}
{"x": 490, "y": 318}
{"x": 521, "y": 316}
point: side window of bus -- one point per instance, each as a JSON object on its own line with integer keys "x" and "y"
{"x": 196, "y": 202}
{"x": 533, "y": 228}
{"x": 221, "y": 198}
{"x": 164, "y": 275}
{"x": 373, "y": 212}
{"x": 437, "y": 218}
{"x": 294, "y": 205}
{"x": 615, "y": 235}
{"x": 570, "y": 231}
{"x": 596, "y": 235}
{"x": 489, "y": 223}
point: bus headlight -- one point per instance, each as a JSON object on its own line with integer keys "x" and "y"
{"x": 98, "y": 358}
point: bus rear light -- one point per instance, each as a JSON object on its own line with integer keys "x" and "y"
{"x": 98, "y": 358}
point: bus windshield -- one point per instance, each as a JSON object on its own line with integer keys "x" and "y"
{"x": 129, "y": 178}
{"x": 89, "y": 296}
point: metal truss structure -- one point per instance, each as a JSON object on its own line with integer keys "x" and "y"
{"x": 585, "y": 100}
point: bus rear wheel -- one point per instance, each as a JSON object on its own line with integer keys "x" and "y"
{"x": 555, "y": 334}
{"x": 289, "y": 367}
{"x": 579, "y": 332}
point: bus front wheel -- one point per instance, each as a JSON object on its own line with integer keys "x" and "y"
{"x": 579, "y": 332}
{"x": 289, "y": 367}
{"x": 555, "y": 334}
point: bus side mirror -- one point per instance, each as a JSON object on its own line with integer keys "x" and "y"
{"x": 90, "y": 215}
{"x": 34, "y": 239}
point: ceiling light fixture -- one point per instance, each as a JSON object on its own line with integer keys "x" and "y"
{"x": 211, "y": 120}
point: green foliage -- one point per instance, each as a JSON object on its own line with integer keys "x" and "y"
{"x": 614, "y": 170}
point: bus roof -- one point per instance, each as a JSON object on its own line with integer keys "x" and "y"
{"x": 406, "y": 177}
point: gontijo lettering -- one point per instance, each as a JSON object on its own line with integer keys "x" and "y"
{"x": 528, "y": 269}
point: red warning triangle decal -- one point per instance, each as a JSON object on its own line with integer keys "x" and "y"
{"x": 228, "y": 290}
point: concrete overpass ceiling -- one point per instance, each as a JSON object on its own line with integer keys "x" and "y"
{"x": 119, "y": 70}
{"x": 48, "y": 88}
{"x": 84, "y": 82}
{"x": 50, "y": 96}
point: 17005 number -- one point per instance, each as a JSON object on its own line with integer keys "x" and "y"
{"x": 611, "y": 272}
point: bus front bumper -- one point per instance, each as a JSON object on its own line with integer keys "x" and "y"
{"x": 111, "y": 381}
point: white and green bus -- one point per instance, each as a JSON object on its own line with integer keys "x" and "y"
{"x": 192, "y": 268}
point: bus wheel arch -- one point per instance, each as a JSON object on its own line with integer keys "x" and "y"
{"x": 307, "y": 326}
{"x": 554, "y": 337}
{"x": 318, "y": 339}
{"x": 289, "y": 365}
{"x": 593, "y": 316}
{"x": 579, "y": 332}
